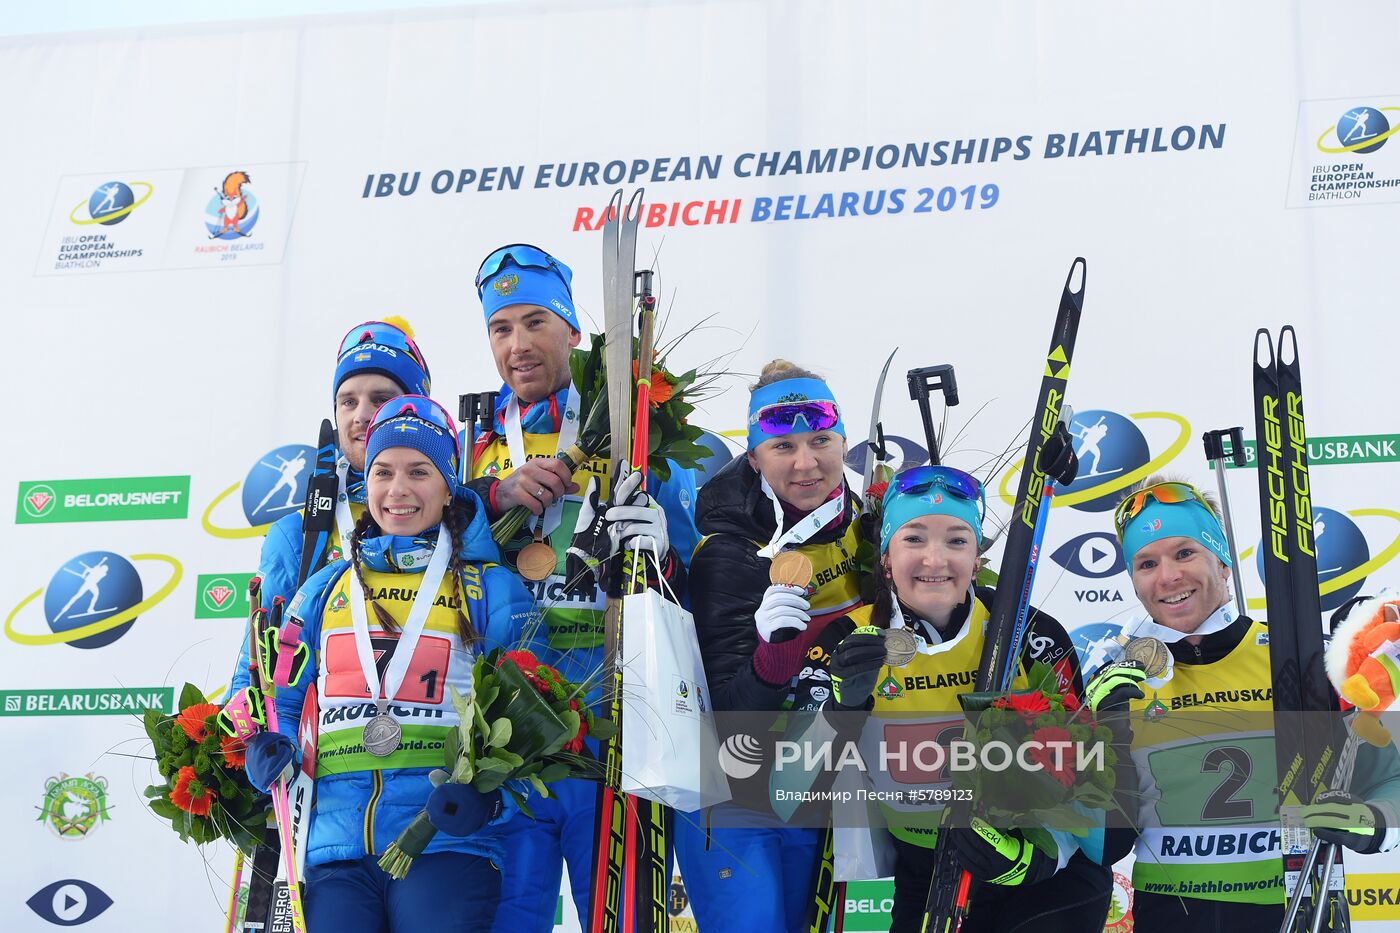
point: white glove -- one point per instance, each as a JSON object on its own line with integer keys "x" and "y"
{"x": 636, "y": 520}
{"x": 783, "y": 613}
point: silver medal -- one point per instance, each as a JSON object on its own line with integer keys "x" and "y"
{"x": 900, "y": 646}
{"x": 382, "y": 734}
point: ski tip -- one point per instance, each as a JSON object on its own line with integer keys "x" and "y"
{"x": 1263, "y": 349}
{"x": 634, "y": 205}
{"x": 1287, "y": 346}
{"x": 1078, "y": 271}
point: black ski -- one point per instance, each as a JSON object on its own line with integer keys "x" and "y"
{"x": 1307, "y": 748}
{"x": 950, "y": 890}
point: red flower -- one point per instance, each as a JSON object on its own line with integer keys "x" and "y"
{"x": 190, "y": 794}
{"x": 1028, "y": 705}
{"x": 876, "y": 492}
{"x": 1052, "y": 752}
{"x": 234, "y": 751}
{"x": 524, "y": 660}
{"x": 1071, "y": 702}
{"x": 194, "y": 720}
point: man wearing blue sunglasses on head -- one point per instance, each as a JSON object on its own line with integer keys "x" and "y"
{"x": 527, "y": 298}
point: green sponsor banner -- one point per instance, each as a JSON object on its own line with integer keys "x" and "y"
{"x": 1343, "y": 449}
{"x": 114, "y": 701}
{"x": 868, "y": 905}
{"x": 222, "y": 596}
{"x": 119, "y": 499}
{"x": 341, "y": 751}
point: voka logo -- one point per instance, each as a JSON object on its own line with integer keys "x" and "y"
{"x": 1360, "y": 130}
{"x": 274, "y": 486}
{"x": 233, "y": 211}
{"x": 1114, "y": 454}
{"x": 93, "y": 599}
{"x": 110, "y": 204}
{"x": 74, "y": 806}
{"x": 1095, "y": 555}
{"x": 69, "y": 902}
{"x": 222, "y": 596}
{"x": 1344, "y": 558}
{"x": 128, "y": 498}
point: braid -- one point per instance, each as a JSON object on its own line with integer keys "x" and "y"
{"x": 456, "y": 525}
{"x": 366, "y": 527}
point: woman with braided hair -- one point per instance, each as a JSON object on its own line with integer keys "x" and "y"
{"x": 389, "y": 640}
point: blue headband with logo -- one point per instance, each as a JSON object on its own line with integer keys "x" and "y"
{"x": 526, "y": 275}
{"x": 421, "y": 424}
{"x": 1159, "y": 520}
{"x": 792, "y": 392}
{"x": 900, "y": 508}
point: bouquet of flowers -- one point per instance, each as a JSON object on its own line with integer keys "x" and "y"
{"x": 206, "y": 794}
{"x": 1045, "y": 727}
{"x": 672, "y": 438}
{"x": 522, "y": 726}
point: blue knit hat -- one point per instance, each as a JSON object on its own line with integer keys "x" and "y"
{"x": 931, "y": 490}
{"x": 418, "y": 422}
{"x": 385, "y": 347}
{"x": 520, "y": 274}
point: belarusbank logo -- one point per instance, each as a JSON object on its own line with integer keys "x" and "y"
{"x": 222, "y": 596}
{"x": 1344, "y": 449}
{"x": 87, "y": 701}
{"x": 119, "y": 499}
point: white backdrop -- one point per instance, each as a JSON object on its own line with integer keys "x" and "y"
{"x": 159, "y": 351}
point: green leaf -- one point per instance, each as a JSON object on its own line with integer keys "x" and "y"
{"x": 163, "y": 807}
{"x": 488, "y": 781}
{"x": 519, "y": 800}
{"x": 511, "y": 759}
{"x": 500, "y": 733}
{"x": 492, "y": 764}
{"x": 602, "y": 729}
{"x": 557, "y": 771}
{"x": 190, "y": 695}
{"x": 539, "y": 786}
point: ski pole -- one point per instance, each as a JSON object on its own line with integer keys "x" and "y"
{"x": 922, "y": 382}
{"x": 1215, "y": 454}
{"x": 476, "y": 411}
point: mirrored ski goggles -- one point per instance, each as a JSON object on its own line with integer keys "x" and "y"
{"x": 384, "y": 334}
{"x": 1166, "y": 493}
{"x": 415, "y": 406}
{"x": 918, "y": 480}
{"x": 523, "y": 255}
{"x": 782, "y": 418}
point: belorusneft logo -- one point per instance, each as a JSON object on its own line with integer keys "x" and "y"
{"x": 222, "y": 596}
{"x": 87, "y": 701}
{"x": 118, "y": 499}
{"x": 1340, "y": 154}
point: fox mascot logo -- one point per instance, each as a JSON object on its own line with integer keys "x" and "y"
{"x": 234, "y": 209}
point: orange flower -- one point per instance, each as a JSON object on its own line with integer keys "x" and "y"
{"x": 190, "y": 794}
{"x": 194, "y": 720}
{"x": 234, "y": 750}
{"x": 661, "y": 387}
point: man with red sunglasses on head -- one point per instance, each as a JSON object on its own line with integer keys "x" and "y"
{"x": 377, "y": 361}
{"x": 527, "y": 298}
{"x": 1208, "y": 852}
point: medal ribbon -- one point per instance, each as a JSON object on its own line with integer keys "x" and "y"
{"x": 1217, "y": 620}
{"x": 412, "y": 628}
{"x": 801, "y": 530}
{"x": 515, "y": 443}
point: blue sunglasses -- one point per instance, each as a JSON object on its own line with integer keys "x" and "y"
{"x": 381, "y": 333}
{"x": 525, "y": 256}
{"x": 920, "y": 479}
{"x": 420, "y": 408}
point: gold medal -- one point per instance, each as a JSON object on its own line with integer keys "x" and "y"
{"x": 536, "y": 560}
{"x": 790, "y": 568}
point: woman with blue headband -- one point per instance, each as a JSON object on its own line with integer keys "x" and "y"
{"x": 391, "y": 632}
{"x": 1209, "y": 803}
{"x": 930, "y": 541}
{"x": 786, "y": 493}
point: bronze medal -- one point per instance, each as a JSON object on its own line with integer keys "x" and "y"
{"x": 900, "y": 646}
{"x": 536, "y": 560}
{"x": 1151, "y": 653}
{"x": 790, "y": 568}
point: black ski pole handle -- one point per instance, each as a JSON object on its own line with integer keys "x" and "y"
{"x": 922, "y": 382}
{"x": 1215, "y": 445}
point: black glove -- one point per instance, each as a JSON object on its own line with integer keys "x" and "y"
{"x": 855, "y": 667}
{"x": 1345, "y": 820}
{"x": 996, "y": 857}
{"x": 586, "y": 562}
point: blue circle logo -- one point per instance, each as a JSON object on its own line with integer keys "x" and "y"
{"x": 110, "y": 203}
{"x": 88, "y": 589}
{"x": 233, "y": 211}
{"x": 277, "y": 483}
{"x": 1109, "y": 447}
{"x": 1341, "y": 547}
{"x": 1359, "y": 130}
{"x": 1097, "y": 644}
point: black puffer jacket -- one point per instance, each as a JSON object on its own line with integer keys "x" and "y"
{"x": 728, "y": 579}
